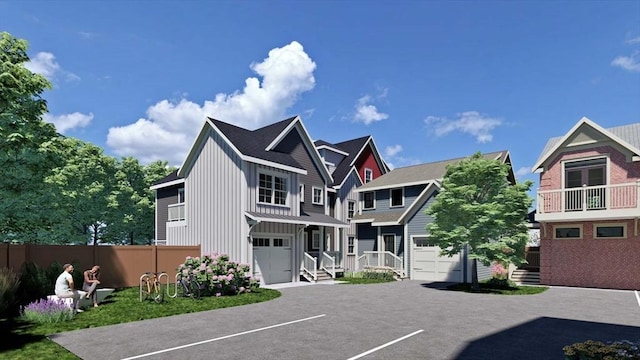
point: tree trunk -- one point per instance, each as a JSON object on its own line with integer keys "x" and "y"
{"x": 475, "y": 286}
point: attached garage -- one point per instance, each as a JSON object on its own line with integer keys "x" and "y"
{"x": 428, "y": 265}
{"x": 272, "y": 258}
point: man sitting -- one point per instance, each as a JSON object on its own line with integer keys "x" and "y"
{"x": 65, "y": 287}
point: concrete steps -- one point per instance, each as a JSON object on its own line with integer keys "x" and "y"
{"x": 526, "y": 277}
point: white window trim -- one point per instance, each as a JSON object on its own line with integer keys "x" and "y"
{"x": 597, "y": 225}
{"x": 607, "y": 169}
{"x": 370, "y": 172}
{"x": 181, "y": 190}
{"x": 391, "y": 198}
{"x": 274, "y": 174}
{"x": 313, "y": 239}
{"x": 395, "y": 242}
{"x": 349, "y": 203}
{"x": 313, "y": 196}
{"x": 374, "y": 200}
{"x": 301, "y": 193}
{"x": 354, "y": 245}
{"x": 568, "y": 226}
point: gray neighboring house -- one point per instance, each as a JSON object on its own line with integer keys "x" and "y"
{"x": 259, "y": 196}
{"x": 391, "y": 224}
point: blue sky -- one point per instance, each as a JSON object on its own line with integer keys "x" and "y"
{"x": 429, "y": 80}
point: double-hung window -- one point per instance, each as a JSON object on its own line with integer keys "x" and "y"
{"x": 368, "y": 175}
{"x": 351, "y": 209}
{"x": 397, "y": 197}
{"x": 368, "y": 200}
{"x": 272, "y": 189}
{"x": 318, "y": 196}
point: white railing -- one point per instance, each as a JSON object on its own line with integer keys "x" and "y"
{"x": 381, "y": 260}
{"x": 310, "y": 267}
{"x": 176, "y": 212}
{"x": 337, "y": 255}
{"x": 328, "y": 264}
{"x": 586, "y": 198}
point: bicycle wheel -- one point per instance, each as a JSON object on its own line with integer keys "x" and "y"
{"x": 158, "y": 292}
{"x": 183, "y": 289}
{"x": 145, "y": 290}
{"x": 194, "y": 289}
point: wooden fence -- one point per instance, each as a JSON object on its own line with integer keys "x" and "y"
{"x": 120, "y": 266}
{"x": 532, "y": 254}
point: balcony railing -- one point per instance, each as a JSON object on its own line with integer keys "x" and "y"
{"x": 590, "y": 198}
{"x": 176, "y": 212}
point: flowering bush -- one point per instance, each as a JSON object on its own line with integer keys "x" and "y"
{"x": 218, "y": 275}
{"x": 47, "y": 311}
{"x": 500, "y": 277}
{"x": 499, "y": 271}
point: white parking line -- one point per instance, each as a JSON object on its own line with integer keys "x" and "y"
{"x": 385, "y": 345}
{"x": 223, "y": 337}
{"x": 637, "y": 297}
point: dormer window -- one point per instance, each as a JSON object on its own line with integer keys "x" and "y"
{"x": 397, "y": 197}
{"x": 272, "y": 189}
{"x": 368, "y": 175}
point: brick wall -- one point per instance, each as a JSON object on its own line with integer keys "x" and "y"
{"x": 590, "y": 262}
{"x": 620, "y": 170}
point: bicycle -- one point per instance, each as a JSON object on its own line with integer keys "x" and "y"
{"x": 188, "y": 287}
{"x": 151, "y": 287}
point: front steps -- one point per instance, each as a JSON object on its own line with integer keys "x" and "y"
{"x": 526, "y": 277}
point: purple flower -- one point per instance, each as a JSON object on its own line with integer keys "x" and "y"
{"x": 218, "y": 294}
{"x": 214, "y": 278}
{"x": 231, "y": 270}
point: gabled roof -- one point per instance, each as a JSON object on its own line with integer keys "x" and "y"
{"x": 422, "y": 173}
{"x": 627, "y": 136}
{"x": 169, "y": 180}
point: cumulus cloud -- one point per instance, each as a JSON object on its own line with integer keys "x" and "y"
{"x": 470, "y": 122}
{"x": 393, "y": 159}
{"x": 392, "y": 150}
{"x": 45, "y": 64}
{"x": 368, "y": 113}
{"x": 629, "y": 63}
{"x": 67, "y": 122}
{"x": 170, "y": 127}
{"x": 523, "y": 171}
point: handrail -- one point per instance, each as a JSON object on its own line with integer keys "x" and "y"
{"x": 585, "y": 198}
{"x": 310, "y": 265}
{"x": 331, "y": 269}
{"x": 382, "y": 259}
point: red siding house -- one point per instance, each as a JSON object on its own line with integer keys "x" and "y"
{"x": 588, "y": 206}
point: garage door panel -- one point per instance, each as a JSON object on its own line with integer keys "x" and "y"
{"x": 428, "y": 265}
{"x": 272, "y": 259}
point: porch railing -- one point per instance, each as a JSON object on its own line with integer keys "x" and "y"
{"x": 587, "y": 198}
{"x": 328, "y": 264}
{"x": 176, "y": 212}
{"x": 381, "y": 260}
{"x": 337, "y": 255}
{"x": 310, "y": 267}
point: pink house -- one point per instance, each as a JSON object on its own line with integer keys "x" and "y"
{"x": 589, "y": 207}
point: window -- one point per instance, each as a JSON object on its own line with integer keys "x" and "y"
{"x": 317, "y": 196}
{"x": 260, "y": 242}
{"x": 610, "y": 231}
{"x": 567, "y": 232}
{"x": 351, "y": 209}
{"x": 397, "y": 197}
{"x": 281, "y": 242}
{"x": 369, "y": 200}
{"x": 301, "y": 192}
{"x": 368, "y": 175}
{"x": 180, "y": 195}
{"x": 351, "y": 245}
{"x": 315, "y": 240}
{"x": 272, "y": 189}
{"x": 591, "y": 173}
{"x": 422, "y": 242}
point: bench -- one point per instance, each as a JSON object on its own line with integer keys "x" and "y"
{"x": 84, "y": 302}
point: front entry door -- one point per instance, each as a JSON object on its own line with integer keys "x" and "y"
{"x": 390, "y": 246}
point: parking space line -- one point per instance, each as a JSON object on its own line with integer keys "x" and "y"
{"x": 637, "y": 297}
{"x": 385, "y": 345}
{"x": 223, "y": 337}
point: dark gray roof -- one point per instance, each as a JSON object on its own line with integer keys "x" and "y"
{"x": 628, "y": 133}
{"x": 421, "y": 173}
{"x": 254, "y": 142}
{"x": 351, "y": 147}
{"x": 173, "y": 176}
{"x": 303, "y": 219}
{"x": 380, "y": 216}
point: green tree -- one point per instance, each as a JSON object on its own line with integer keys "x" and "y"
{"x": 28, "y": 146}
{"x": 479, "y": 209}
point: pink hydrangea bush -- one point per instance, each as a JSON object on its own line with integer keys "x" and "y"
{"x": 219, "y": 275}
{"x": 499, "y": 271}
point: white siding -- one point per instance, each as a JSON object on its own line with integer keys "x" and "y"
{"x": 293, "y": 201}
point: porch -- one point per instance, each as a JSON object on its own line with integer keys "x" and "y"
{"x": 589, "y": 202}
{"x": 382, "y": 261}
{"x": 321, "y": 265}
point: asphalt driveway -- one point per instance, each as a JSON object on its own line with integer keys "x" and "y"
{"x": 399, "y": 320}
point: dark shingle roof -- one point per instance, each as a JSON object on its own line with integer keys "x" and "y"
{"x": 254, "y": 142}
{"x": 351, "y": 147}
{"x": 171, "y": 177}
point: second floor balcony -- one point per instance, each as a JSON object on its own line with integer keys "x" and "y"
{"x": 600, "y": 202}
{"x": 176, "y": 212}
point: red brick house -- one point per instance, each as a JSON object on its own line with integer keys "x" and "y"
{"x": 588, "y": 206}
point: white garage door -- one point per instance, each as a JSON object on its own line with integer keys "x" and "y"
{"x": 428, "y": 265}
{"x": 272, "y": 259}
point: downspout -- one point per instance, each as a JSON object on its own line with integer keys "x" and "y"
{"x": 299, "y": 253}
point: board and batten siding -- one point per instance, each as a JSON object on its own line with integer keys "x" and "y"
{"x": 252, "y": 175}
{"x": 164, "y": 197}
{"x": 347, "y": 193}
{"x": 214, "y": 188}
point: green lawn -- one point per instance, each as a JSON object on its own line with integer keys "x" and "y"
{"x": 22, "y": 340}
{"x": 486, "y": 288}
{"x": 359, "y": 280}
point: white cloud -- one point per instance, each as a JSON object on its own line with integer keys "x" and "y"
{"x": 634, "y": 40}
{"x": 170, "y": 127}
{"x": 629, "y": 63}
{"x": 366, "y": 112}
{"x": 523, "y": 171}
{"x": 44, "y": 63}
{"x": 69, "y": 121}
{"x": 393, "y": 159}
{"x": 470, "y": 122}
{"x": 392, "y": 150}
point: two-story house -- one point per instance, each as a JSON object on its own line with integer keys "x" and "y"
{"x": 351, "y": 163}
{"x": 259, "y": 196}
{"x": 391, "y": 224}
{"x": 588, "y": 206}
